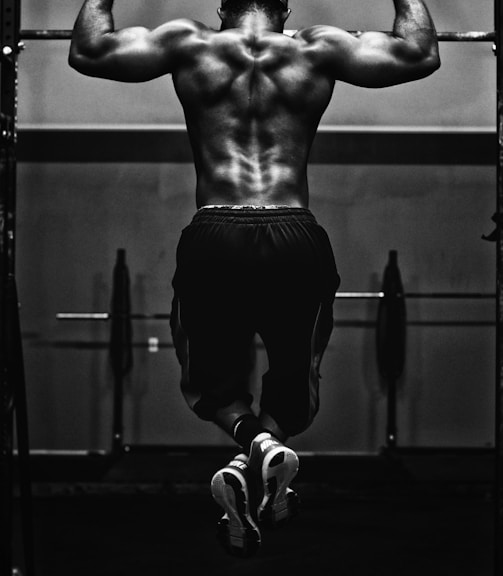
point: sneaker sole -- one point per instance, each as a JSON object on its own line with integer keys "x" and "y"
{"x": 236, "y": 530}
{"x": 279, "y": 503}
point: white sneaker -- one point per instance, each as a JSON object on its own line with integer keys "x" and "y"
{"x": 237, "y": 529}
{"x": 275, "y": 466}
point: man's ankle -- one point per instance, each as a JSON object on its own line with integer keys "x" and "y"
{"x": 245, "y": 429}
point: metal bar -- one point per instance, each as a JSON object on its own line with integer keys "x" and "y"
{"x": 449, "y": 296}
{"x": 466, "y": 36}
{"x": 106, "y": 316}
{"x": 93, "y": 316}
{"x": 363, "y": 324}
{"x": 498, "y": 476}
{"x": 17, "y": 377}
{"x": 470, "y": 36}
{"x": 359, "y": 295}
{"x": 9, "y": 27}
{"x": 12, "y": 385}
{"x": 46, "y": 34}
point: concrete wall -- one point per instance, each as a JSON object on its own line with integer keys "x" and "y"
{"x": 73, "y": 217}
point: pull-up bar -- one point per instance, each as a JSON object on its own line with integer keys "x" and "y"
{"x": 442, "y": 36}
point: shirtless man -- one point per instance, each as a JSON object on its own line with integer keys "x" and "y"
{"x": 254, "y": 260}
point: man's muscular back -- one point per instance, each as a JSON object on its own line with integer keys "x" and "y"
{"x": 253, "y": 97}
{"x": 252, "y": 104}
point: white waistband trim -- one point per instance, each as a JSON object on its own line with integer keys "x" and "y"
{"x": 246, "y": 206}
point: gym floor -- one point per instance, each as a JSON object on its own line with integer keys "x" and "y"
{"x": 152, "y": 514}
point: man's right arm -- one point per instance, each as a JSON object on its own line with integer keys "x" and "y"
{"x": 376, "y": 59}
{"x": 133, "y": 54}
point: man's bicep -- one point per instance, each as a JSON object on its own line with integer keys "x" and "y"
{"x": 376, "y": 60}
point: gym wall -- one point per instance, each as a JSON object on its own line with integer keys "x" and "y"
{"x": 74, "y": 215}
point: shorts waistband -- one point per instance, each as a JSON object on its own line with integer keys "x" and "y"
{"x": 252, "y": 214}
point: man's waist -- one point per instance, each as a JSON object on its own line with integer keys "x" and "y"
{"x": 254, "y": 214}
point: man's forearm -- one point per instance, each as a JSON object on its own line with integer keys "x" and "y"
{"x": 95, "y": 19}
{"x": 412, "y": 17}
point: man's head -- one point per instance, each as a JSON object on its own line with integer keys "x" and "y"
{"x": 231, "y": 11}
{"x": 284, "y": 3}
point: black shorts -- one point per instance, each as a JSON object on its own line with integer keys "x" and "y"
{"x": 248, "y": 271}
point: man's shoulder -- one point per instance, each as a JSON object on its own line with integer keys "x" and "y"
{"x": 321, "y": 33}
{"x": 185, "y": 27}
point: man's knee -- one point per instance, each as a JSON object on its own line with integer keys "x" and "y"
{"x": 291, "y": 399}
{"x": 209, "y": 407}
{"x": 295, "y": 426}
{"x": 291, "y": 420}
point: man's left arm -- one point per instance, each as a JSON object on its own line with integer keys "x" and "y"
{"x": 129, "y": 55}
{"x": 376, "y": 59}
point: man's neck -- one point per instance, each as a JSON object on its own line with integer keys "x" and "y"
{"x": 255, "y": 22}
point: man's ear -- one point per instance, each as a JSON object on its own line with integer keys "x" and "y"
{"x": 288, "y": 12}
{"x": 220, "y": 13}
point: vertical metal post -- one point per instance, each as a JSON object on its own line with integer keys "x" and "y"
{"x": 9, "y": 41}
{"x": 9, "y": 35}
{"x": 12, "y": 385}
{"x": 498, "y": 492}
